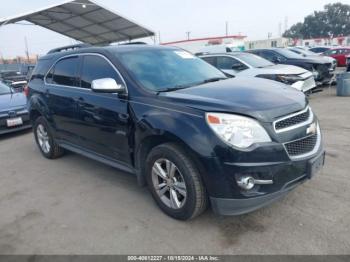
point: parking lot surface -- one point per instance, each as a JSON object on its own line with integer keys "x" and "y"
{"x": 74, "y": 205}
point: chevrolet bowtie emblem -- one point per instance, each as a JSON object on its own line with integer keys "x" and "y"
{"x": 312, "y": 129}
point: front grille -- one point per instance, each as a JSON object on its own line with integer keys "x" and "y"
{"x": 292, "y": 121}
{"x": 302, "y": 146}
{"x": 323, "y": 71}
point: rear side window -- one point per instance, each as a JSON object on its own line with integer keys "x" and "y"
{"x": 65, "y": 72}
{"x": 96, "y": 67}
{"x": 40, "y": 70}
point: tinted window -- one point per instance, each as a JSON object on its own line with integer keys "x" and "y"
{"x": 211, "y": 60}
{"x": 319, "y": 49}
{"x": 287, "y": 53}
{"x": 269, "y": 55}
{"x": 224, "y": 62}
{"x": 96, "y": 67}
{"x": 40, "y": 69}
{"x": 331, "y": 52}
{"x": 229, "y": 63}
{"x": 65, "y": 72}
{"x": 253, "y": 60}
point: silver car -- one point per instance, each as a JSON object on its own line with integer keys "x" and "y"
{"x": 246, "y": 64}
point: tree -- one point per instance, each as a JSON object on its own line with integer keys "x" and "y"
{"x": 333, "y": 21}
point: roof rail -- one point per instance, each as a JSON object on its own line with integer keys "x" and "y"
{"x": 68, "y": 48}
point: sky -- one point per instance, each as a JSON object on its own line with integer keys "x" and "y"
{"x": 172, "y": 18}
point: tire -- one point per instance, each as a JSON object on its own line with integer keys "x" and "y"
{"x": 43, "y": 134}
{"x": 184, "y": 197}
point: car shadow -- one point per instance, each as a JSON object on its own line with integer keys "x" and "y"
{"x": 15, "y": 134}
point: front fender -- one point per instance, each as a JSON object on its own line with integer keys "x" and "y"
{"x": 190, "y": 129}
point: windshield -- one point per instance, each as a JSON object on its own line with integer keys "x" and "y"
{"x": 162, "y": 70}
{"x": 288, "y": 54}
{"x": 4, "y": 89}
{"x": 254, "y": 60}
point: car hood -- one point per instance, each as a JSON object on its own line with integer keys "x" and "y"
{"x": 279, "y": 70}
{"x": 309, "y": 59}
{"x": 262, "y": 99}
{"x": 12, "y": 101}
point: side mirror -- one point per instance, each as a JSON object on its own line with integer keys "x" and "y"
{"x": 276, "y": 59}
{"x": 237, "y": 66}
{"x": 106, "y": 85}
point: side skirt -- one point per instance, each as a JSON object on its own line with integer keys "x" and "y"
{"x": 97, "y": 157}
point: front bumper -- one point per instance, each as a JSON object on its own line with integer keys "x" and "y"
{"x": 286, "y": 176}
{"x": 5, "y": 130}
{"x": 305, "y": 85}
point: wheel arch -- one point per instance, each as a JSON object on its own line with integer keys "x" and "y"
{"x": 152, "y": 141}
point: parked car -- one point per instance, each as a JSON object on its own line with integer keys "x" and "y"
{"x": 14, "y": 115}
{"x": 12, "y": 76}
{"x": 340, "y": 54}
{"x": 319, "y": 49}
{"x": 320, "y": 68}
{"x": 212, "y": 49}
{"x": 176, "y": 122}
{"x": 307, "y": 53}
{"x": 245, "y": 64}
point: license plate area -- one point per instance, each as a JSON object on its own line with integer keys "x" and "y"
{"x": 315, "y": 165}
{"x": 12, "y": 122}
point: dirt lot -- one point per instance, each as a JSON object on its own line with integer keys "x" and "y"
{"x": 77, "y": 206}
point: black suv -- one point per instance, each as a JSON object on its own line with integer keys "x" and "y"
{"x": 321, "y": 69}
{"x": 189, "y": 133}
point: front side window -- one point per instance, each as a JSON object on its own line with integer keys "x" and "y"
{"x": 226, "y": 63}
{"x": 65, "y": 72}
{"x": 163, "y": 69}
{"x": 96, "y": 67}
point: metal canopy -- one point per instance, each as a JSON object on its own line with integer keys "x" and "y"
{"x": 85, "y": 21}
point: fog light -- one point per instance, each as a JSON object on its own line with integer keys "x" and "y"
{"x": 246, "y": 182}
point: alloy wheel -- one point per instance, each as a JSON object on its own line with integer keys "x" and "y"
{"x": 43, "y": 138}
{"x": 169, "y": 183}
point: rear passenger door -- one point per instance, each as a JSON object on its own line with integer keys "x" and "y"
{"x": 61, "y": 94}
{"x": 104, "y": 117}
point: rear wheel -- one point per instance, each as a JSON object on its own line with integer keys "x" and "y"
{"x": 175, "y": 182}
{"x": 45, "y": 141}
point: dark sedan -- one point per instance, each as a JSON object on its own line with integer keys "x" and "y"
{"x": 13, "y": 110}
{"x": 320, "y": 68}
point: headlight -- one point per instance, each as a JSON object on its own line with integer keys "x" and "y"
{"x": 286, "y": 79}
{"x": 238, "y": 131}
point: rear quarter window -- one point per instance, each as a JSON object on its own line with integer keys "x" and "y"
{"x": 40, "y": 70}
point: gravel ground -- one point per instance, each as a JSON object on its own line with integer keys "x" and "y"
{"x": 77, "y": 206}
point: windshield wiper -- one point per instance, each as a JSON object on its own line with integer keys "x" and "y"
{"x": 179, "y": 87}
{"x": 171, "y": 89}
{"x": 214, "y": 79}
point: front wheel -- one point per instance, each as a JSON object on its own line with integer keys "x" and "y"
{"x": 175, "y": 182}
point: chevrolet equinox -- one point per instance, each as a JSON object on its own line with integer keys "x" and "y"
{"x": 193, "y": 136}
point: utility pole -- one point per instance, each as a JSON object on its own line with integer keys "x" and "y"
{"x": 280, "y": 29}
{"x": 188, "y": 35}
{"x": 27, "y": 49}
{"x": 2, "y": 58}
{"x": 226, "y": 28}
{"x": 159, "y": 38}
